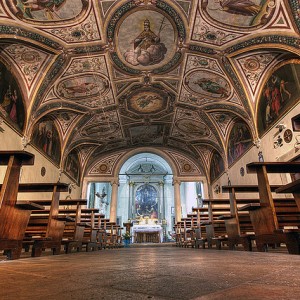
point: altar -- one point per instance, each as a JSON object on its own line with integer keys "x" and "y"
{"x": 147, "y": 230}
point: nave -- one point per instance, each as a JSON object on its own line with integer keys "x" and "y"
{"x": 153, "y": 272}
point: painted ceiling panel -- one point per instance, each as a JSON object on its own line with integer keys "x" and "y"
{"x": 116, "y": 75}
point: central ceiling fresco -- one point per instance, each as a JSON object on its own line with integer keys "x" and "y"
{"x": 110, "y": 76}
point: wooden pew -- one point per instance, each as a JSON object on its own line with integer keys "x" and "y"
{"x": 70, "y": 209}
{"x": 200, "y": 233}
{"x": 238, "y": 223}
{"x": 14, "y": 216}
{"x": 91, "y": 231}
{"x": 214, "y": 226}
{"x": 292, "y": 187}
{"x": 264, "y": 218}
{"x": 45, "y": 231}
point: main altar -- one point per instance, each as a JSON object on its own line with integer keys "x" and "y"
{"x": 147, "y": 230}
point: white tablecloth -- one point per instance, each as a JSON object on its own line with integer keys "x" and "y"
{"x": 147, "y": 228}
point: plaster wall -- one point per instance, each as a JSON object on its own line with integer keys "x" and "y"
{"x": 284, "y": 153}
{"x": 11, "y": 140}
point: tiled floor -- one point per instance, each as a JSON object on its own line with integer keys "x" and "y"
{"x": 153, "y": 273}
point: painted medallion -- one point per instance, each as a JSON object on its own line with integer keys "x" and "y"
{"x": 207, "y": 84}
{"x": 147, "y": 101}
{"x": 240, "y": 13}
{"x": 74, "y": 88}
{"x": 192, "y": 127}
{"x": 46, "y": 10}
{"x": 146, "y": 39}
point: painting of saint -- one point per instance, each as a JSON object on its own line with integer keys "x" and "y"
{"x": 216, "y": 166}
{"x": 11, "y": 104}
{"x": 72, "y": 166}
{"x": 239, "y": 141}
{"x": 208, "y": 84}
{"x": 146, "y": 203}
{"x": 46, "y": 10}
{"x": 280, "y": 92}
{"x": 146, "y": 39}
{"x": 46, "y": 138}
{"x": 240, "y": 12}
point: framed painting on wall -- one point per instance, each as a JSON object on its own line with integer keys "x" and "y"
{"x": 279, "y": 94}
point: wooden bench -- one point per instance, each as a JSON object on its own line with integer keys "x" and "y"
{"x": 265, "y": 219}
{"x": 45, "y": 229}
{"x": 14, "y": 216}
{"x": 214, "y": 226}
{"x": 70, "y": 210}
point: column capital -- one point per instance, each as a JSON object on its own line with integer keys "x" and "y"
{"x": 115, "y": 182}
{"x": 161, "y": 183}
{"x": 176, "y": 181}
{"x": 131, "y": 183}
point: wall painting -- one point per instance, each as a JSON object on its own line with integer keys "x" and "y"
{"x": 45, "y": 136}
{"x": 11, "y": 104}
{"x": 216, "y": 166}
{"x": 280, "y": 93}
{"x": 72, "y": 166}
{"x": 239, "y": 141}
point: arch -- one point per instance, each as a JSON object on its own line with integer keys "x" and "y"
{"x": 142, "y": 150}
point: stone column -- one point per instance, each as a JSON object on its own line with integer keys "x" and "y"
{"x": 162, "y": 210}
{"x": 177, "y": 201}
{"x": 114, "y": 201}
{"x": 131, "y": 200}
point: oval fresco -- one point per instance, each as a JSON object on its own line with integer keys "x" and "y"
{"x": 147, "y": 101}
{"x": 74, "y": 88}
{"x": 45, "y": 136}
{"x": 240, "y": 13}
{"x": 279, "y": 93}
{"x": 97, "y": 130}
{"x": 11, "y": 103}
{"x": 47, "y": 10}
{"x": 207, "y": 84}
{"x": 192, "y": 127}
{"x": 146, "y": 39}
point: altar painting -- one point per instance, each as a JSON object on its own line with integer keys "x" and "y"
{"x": 146, "y": 201}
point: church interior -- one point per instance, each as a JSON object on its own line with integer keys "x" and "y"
{"x": 149, "y": 149}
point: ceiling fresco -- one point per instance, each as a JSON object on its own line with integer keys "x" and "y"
{"x": 108, "y": 76}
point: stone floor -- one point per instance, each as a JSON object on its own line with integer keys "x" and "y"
{"x": 153, "y": 273}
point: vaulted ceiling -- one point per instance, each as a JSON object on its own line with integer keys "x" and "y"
{"x": 117, "y": 75}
